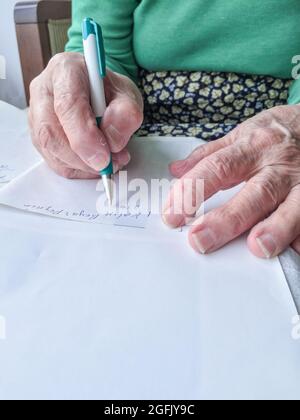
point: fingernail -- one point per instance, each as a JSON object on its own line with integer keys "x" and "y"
{"x": 98, "y": 162}
{"x": 267, "y": 244}
{"x": 204, "y": 240}
{"x": 115, "y": 138}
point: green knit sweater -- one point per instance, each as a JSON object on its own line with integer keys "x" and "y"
{"x": 243, "y": 36}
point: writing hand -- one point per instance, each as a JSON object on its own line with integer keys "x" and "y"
{"x": 64, "y": 128}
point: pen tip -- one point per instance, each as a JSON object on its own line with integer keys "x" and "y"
{"x": 110, "y": 199}
{"x": 107, "y": 181}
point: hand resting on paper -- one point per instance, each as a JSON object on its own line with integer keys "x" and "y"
{"x": 63, "y": 126}
{"x": 265, "y": 153}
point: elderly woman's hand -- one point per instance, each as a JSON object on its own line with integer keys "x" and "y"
{"x": 63, "y": 126}
{"x": 265, "y": 152}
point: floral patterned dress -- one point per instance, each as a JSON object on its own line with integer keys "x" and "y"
{"x": 205, "y": 105}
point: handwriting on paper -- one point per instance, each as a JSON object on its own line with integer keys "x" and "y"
{"x": 123, "y": 217}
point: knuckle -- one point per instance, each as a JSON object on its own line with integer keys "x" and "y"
{"x": 44, "y": 136}
{"x": 287, "y": 157}
{"x": 266, "y": 137}
{"x": 220, "y": 167}
{"x": 267, "y": 191}
{"x": 59, "y": 59}
{"x": 69, "y": 64}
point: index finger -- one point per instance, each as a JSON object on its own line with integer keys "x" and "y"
{"x": 220, "y": 171}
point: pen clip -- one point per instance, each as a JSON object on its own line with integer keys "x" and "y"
{"x": 90, "y": 27}
{"x": 100, "y": 49}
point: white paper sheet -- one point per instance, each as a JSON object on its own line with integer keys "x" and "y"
{"x": 42, "y": 191}
{"x": 104, "y": 311}
{"x": 17, "y": 153}
{"x": 95, "y": 314}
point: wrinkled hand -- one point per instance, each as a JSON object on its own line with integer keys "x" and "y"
{"x": 63, "y": 126}
{"x": 263, "y": 151}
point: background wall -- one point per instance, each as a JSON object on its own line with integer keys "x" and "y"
{"x": 11, "y": 89}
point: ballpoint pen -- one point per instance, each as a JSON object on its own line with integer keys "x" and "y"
{"x": 94, "y": 54}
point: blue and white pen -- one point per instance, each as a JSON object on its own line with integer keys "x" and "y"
{"x": 94, "y": 54}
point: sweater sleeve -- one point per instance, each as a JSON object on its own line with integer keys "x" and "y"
{"x": 116, "y": 20}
